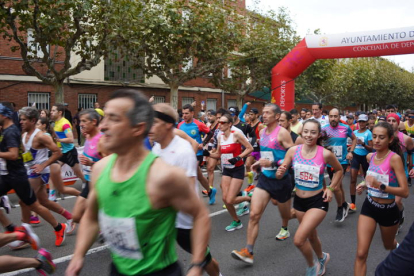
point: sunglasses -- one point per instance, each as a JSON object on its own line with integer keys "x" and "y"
{"x": 222, "y": 123}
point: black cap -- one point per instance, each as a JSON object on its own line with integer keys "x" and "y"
{"x": 382, "y": 118}
{"x": 254, "y": 110}
{"x": 350, "y": 116}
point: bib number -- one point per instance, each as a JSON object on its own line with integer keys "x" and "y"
{"x": 363, "y": 141}
{"x": 337, "y": 150}
{"x": 121, "y": 236}
{"x": 3, "y": 167}
{"x": 268, "y": 155}
{"x": 225, "y": 160}
{"x": 27, "y": 157}
{"x": 381, "y": 178}
{"x": 307, "y": 176}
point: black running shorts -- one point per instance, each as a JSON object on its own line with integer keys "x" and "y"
{"x": 383, "y": 214}
{"x": 236, "y": 172}
{"x": 279, "y": 189}
{"x": 70, "y": 157}
{"x": 313, "y": 202}
{"x": 20, "y": 184}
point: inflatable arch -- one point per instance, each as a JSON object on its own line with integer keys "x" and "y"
{"x": 347, "y": 45}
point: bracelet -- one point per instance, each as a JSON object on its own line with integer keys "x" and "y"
{"x": 330, "y": 188}
{"x": 200, "y": 265}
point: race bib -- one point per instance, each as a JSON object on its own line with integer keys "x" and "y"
{"x": 121, "y": 236}
{"x": 27, "y": 157}
{"x": 225, "y": 160}
{"x": 337, "y": 150}
{"x": 307, "y": 175}
{"x": 382, "y": 179}
{"x": 363, "y": 142}
{"x": 269, "y": 156}
{"x": 87, "y": 169}
{"x": 3, "y": 167}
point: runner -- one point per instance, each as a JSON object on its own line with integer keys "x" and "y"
{"x": 194, "y": 128}
{"x": 230, "y": 151}
{"x": 138, "y": 219}
{"x": 409, "y": 124}
{"x": 209, "y": 141}
{"x": 385, "y": 180}
{"x": 36, "y": 159}
{"x": 336, "y": 135}
{"x": 363, "y": 147}
{"x": 89, "y": 125}
{"x": 303, "y": 115}
{"x": 14, "y": 176}
{"x": 178, "y": 152}
{"x": 311, "y": 200}
{"x": 371, "y": 122}
{"x": 295, "y": 124}
{"x": 317, "y": 114}
{"x": 274, "y": 140}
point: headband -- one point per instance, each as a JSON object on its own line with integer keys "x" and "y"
{"x": 395, "y": 116}
{"x": 164, "y": 117}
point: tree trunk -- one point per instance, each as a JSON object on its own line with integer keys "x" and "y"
{"x": 174, "y": 96}
{"x": 59, "y": 95}
{"x": 239, "y": 100}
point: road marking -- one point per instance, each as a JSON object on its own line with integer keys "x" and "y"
{"x": 218, "y": 213}
{"x": 58, "y": 199}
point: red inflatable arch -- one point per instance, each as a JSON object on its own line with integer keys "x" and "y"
{"x": 348, "y": 45}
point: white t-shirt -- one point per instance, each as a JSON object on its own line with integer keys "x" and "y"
{"x": 181, "y": 154}
{"x": 323, "y": 120}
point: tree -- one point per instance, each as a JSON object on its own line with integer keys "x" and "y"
{"x": 48, "y": 33}
{"x": 269, "y": 37}
{"x": 180, "y": 40}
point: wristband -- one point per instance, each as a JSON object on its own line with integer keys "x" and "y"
{"x": 200, "y": 265}
{"x": 330, "y": 188}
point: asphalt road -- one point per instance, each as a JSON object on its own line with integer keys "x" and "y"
{"x": 271, "y": 257}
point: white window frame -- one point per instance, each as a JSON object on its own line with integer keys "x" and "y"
{"x": 231, "y": 102}
{"x": 186, "y": 100}
{"x": 41, "y": 100}
{"x": 211, "y": 104}
{"x": 159, "y": 99}
{"x": 87, "y": 100}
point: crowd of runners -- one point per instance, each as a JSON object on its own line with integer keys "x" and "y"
{"x": 141, "y": 169}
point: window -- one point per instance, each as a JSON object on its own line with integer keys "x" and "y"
{"x": 187, "y": 101}
{"x": 231, "y": 103}
{"x": 211, "y": 104}
{"x": 229, "y": 72}
{"x": 121, "y": 68}
{"x": 86, "y": 100}
{"x": 39, "y": 100}
{"x": 34, "y": 48}
{"x": 159, "y": 99}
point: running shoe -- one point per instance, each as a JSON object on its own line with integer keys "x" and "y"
{"x": 46, "y": 262}
{"x": 34, "y": 220}
{"x": 323, "y": 262}
{"x": 17, "y": 245}
{"x": 243, "y": 211}
{"x": 204, "y": 192}
{"x": 243, "y": 255}
{"x": 346, "y": 209}
{"x": 283, "y": 234}
{"x": 250, "y": 188}
{"x": 250, "y": 178}
{"x": 340, "y": 215}
{"x": 52, "y": 195}
{"x": 212, "y": 196}
{"x": 71, "y": 226}
{"x": 31, "y": 237}
{"x": 314, "y": 270}
{"x": 352, "y": 207}
{"x": 4, "y": 202}
{"x": 234, "y": 226}
{"x": 61, "y": 235}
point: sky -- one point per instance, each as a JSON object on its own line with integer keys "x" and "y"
{"x": 333, "y": 17}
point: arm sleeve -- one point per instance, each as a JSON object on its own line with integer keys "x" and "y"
{"x": 242, "y": 112}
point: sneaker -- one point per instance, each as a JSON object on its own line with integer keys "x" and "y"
{"x": 340, "y": 215}
{"x": 17, "y": 245}
{"x": 61, "y": 235}
{"x": 34, "y": 220}
{"x": 283, "y": 234}
{"x": 46, "y": 262}
{"x": 243, "y": 255}
{"x": 346, "y": 209}
{"x": 31, "y": 237}
{"x": 4, "y": 202}
{"x": 352, "y": 208}
{"x": 314, "y": 270}
{"x": 204, "y": 192}
{"x": 249, "y": 188}
{"x": 212, "y": 196}
{"x": 52, "y": 195}
{"x": 323, "y": 262}
{"x": 243, "y": 211}
{"x": 250, "y": 178}
{"x": 234, "y": 226}
{"x": 71, "y": 226}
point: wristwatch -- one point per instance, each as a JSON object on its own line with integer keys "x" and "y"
{"x": 382, "y": 187}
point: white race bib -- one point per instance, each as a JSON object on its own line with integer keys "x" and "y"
{"x": 337, "y": 150}
{"x": 382, "y": 179}
{"x": 225, "y": 160}
{"x": 121, "y": 236}
{"x": 363, "y": 142}
{"x": 307, "y": 175}
{"x": 269, "y": 156}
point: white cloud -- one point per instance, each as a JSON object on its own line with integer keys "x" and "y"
{"x": 348, "y": 16}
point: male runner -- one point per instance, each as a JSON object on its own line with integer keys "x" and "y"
{"x": 36, "y": 159}
{"x": 178, "y": 152}
{"x": 194, "y": 128}
{"x": 14, "y": 176}
{"x": 317, "y": 114}
{"x": 274, "y": 142}
{"x": 134, "y": 197}
{"x": 336, "y": 135}
{"x": 295, "y": 124}
{"x": 256, "y": 126}
{"x": 409, "y": 124}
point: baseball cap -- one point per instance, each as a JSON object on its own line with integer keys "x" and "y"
{"x": 254, "y": 110}
{"x": 374, "y": 111}
{"x": 5, "y": 111}
{"x": 363, "y": 117}
{"x": 350, "y": 116}
{"x": 382, "y": 118}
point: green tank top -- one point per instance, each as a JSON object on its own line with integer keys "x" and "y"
{"x": 141, "y": 239}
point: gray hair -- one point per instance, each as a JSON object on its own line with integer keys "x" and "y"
{"x": 142, "y": 112}
{"x": 30, "y": 113}
{"x": 275, "y": 108}
{"x": 92, "y": 115}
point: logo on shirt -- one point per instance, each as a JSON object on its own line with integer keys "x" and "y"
{"x": 193, "y": 132}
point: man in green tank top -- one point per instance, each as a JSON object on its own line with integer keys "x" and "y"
{"x": 134, "y": 197}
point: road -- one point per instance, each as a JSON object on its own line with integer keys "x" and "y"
{"x": 271, "y": 257}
